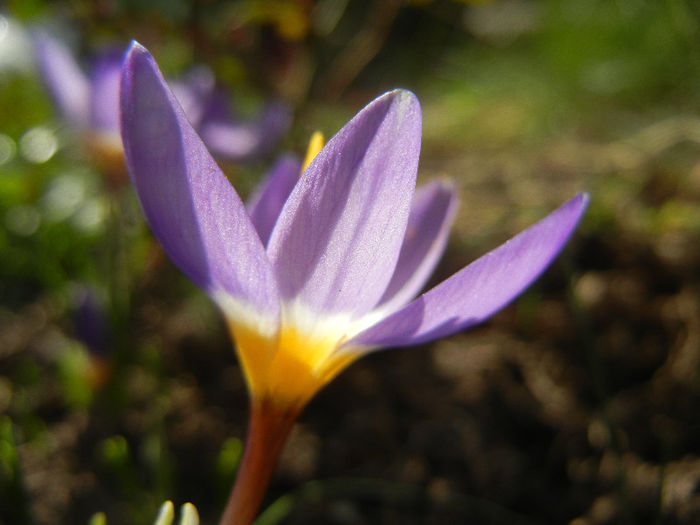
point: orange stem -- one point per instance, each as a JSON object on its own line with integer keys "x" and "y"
{"x": 267, "y": 431}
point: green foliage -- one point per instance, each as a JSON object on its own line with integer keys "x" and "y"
{"x": 14, "y": 505}
{"x": 74, "y": 373}
{"x": 227, "y": 463}
{"x": 98, "y": 519}
{"x": 642, "y": 49}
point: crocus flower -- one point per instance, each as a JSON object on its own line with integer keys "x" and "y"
{"x": 322, "y": 268}
{"x": 90, "y": 103}
{"x": 86, "y": 103}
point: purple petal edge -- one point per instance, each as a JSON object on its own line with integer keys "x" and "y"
{"x": 267, "y": 201}
{"x": 433, "y": 211}
{"x": 190, "y": 205}
{"x": 481, "y": 289}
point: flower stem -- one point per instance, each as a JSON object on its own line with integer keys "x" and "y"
{"x": 268, "y": 429}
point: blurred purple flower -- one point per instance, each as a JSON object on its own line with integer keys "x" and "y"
{"x": 321, "y": 268}
{"x": 93, "y": 329}
{"x": 91, "y": 104}
{"x": 92, "y": 325}
{"x": 229, "y": 137}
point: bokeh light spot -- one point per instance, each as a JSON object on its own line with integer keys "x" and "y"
{"x": 8, "y": 148}
{"x": 22, "y": 220}
{"x": 38, "y": 144}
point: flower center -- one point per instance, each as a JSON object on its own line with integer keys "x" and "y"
{"x": 290, "y": 369}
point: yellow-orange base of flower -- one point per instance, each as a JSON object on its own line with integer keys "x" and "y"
{"x": 290, "y": 368}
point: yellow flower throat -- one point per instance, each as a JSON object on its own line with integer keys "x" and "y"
{"x": 290, "y": 368}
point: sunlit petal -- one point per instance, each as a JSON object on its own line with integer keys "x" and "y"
{"x": 432, "y": 213}
{"x": 339, "y": 235}
{"x": 482, "y": 288}
{"x": 190, "y": 205}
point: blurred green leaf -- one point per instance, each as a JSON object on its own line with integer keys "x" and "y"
{"x": 14, "y": 504}
{"x": 98, "y": 519}
{"x": 228, "y": 461}
{"x": 74, "y": 370}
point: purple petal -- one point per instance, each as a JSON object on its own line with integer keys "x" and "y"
{"x": 67, "y": 84}
{"x": 432, "y": 213}
{"x": 268, "y": 199}
{"x": 482, "y": 288}
{"x": 104, "y": 96}
{"x": 338, "y": 238}
{"x": 190, "y": 205}
{"x": 230, "y": 138}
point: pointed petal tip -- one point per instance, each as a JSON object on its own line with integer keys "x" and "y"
{"x": 482, "y": 288}
{"x": 136, "y": 53}
{"x": 138, "y": 64}
{"x": 369, "y": 168}
{"x": 444, "y": 186}
{"x": 136, "y": 47}
{"x": 578, "y": 205}
{"x": 405, "y": 99}
{"x": 402, "y": 94}
{"x": 447, "y": 184}
{"x": 189, "y": 203}
{"x": 584, "y": 198}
